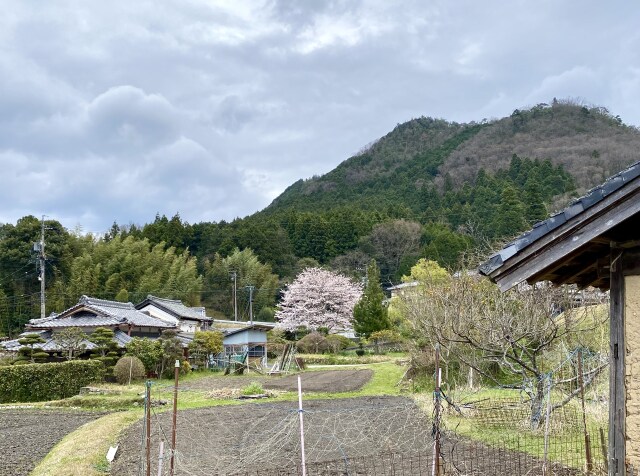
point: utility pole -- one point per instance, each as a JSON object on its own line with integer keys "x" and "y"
{"x": 250, "y": 288}
{"x": 39, "y": 247}
{"x": 234, "y": 276}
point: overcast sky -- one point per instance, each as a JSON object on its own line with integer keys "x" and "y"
{"x": 116, "y": 110}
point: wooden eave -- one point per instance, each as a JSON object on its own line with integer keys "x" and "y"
{"x": 577, "y": 252}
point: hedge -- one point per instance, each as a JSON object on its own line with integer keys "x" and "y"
{"x": 42, "y": 382}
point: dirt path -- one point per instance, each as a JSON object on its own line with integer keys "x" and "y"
{"x": 316, "y": 381}
{"x": 27, "y": 435}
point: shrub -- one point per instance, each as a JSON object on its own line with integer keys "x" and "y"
{"x": 42, "y": 382}
{"x": 185, "y": 367}
{"x": 254, "y": 388}
{"x": 148, "y": 351}
{"x": 337, "y": 343}
{"x": 128, "y": 369}
{"x": 314, "y": 343}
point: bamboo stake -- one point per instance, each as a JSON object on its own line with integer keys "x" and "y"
{"x": 175, "y": 418}
{"x": 304, "y": 465}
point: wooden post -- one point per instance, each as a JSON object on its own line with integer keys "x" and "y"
{"x": 175, "y": 419}
{"x": 147, "y": 404}
{"x": 587, "y": 440}
{"x": 617, "y": 388}
{"x": 436, "y": 423}
{"x": 603, "y": 445}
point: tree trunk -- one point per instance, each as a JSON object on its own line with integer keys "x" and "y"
{"x": 537, "y": 401}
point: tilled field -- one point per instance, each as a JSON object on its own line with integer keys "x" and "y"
{"x": 321, "y": 381}
{"x": 356, "y": 436}
{"x": 27, "y": 435}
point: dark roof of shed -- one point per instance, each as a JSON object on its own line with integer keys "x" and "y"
{"x": 256, "y": 327}
{"x": 566, "y": 219}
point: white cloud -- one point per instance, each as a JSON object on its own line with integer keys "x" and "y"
{"x": 118, "y": 110}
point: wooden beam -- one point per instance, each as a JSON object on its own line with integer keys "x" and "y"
{"x": 617, "y": 390}
{"x": 550, "y": 250}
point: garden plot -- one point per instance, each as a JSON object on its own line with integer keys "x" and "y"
{"x": 27, "y": 435}
{"x": 357, "y": 436}
{"x": 316, "y": 381}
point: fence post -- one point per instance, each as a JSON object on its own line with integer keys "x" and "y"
{"x": 304, "y": 465}
{"x": 436, "y": 423}
{"x": 603, "y": 445}
{"x": 147, "y": 405}
{"x": 175, "y": 418}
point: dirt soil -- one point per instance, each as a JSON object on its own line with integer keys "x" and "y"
{"x": 355, "y": 436}
{"x": 27, "y": 435}
{"x": 317, "y": 381}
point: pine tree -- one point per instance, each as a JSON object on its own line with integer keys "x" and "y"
{"x": 511, "y": 213}
{"x": 370, "y": 314}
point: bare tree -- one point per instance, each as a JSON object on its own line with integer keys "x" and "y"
{"x": 484, "y": 328}
{"x": 390, "y": 242}
{"x": 71, "y": 340}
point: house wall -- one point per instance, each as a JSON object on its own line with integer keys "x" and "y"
{"x": 159, "y": 313}
{"x": 185, "y": 325}
{"x": 251, "y": 336}
{"x": 632, "y": 368}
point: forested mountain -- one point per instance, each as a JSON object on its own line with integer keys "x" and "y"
{"x": 428, "y": 189}
{"x": 422, "y": 153}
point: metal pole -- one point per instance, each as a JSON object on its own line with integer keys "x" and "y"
{"x": 234, "y": 276}
{"x": 304, "y": 464}
{"x": 147, "y": 401}
{"x": 436, "y": 423}
{"x": 42, "y": 265}
{"x": 250, "y": 288}
{"x": 587, "y": 439}
{"x": 175, "y": 419}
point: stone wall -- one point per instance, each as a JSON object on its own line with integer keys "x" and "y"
{"x": 632, "y": 368}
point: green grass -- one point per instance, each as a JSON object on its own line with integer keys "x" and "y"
{"x": 83, "y": 452}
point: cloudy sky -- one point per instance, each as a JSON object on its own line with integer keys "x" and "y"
{"x": 117, "y": 110}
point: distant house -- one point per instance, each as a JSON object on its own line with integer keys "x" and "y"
{"x": 186, "y": 319}
{"x": 89, "y": 314}
{"x": 251, "y": 340}
{"x": 402, "y": 289}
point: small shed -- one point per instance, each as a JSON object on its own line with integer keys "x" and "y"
{"x": 251, "y": 340}
{"x": 595, "y": 241}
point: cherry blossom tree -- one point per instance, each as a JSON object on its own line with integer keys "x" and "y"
{"x": 318, "y": 298}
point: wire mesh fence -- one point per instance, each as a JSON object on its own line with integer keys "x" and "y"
{"x": 358, "y": 436}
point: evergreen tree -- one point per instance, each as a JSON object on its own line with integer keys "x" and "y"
{"x": 106, "y": 349}
{"x": 510, "y": 220}
{"x": 28, "y": 350}
{"x": 370, "y": 314}
{"x": 536, "y": 211}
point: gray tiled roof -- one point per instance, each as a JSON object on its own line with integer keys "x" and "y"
{"x": 177, "y": 308}
{"x": 591, "y": 198}
{"x": 97, "y": 313}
